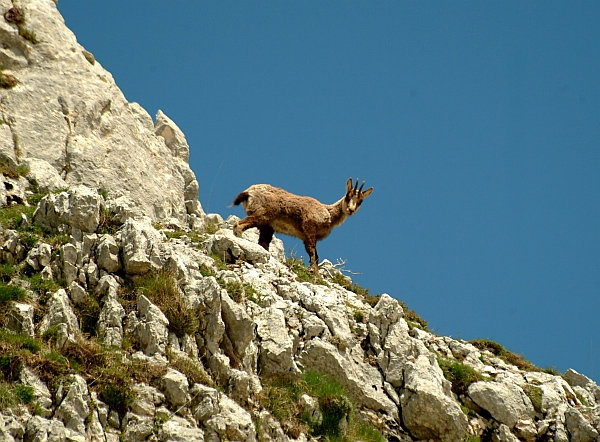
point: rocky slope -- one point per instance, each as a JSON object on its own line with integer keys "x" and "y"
{"x": 119, "y": 326}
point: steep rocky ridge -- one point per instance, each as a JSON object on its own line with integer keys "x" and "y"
{"x": 66, "y": 118}
{"x": 138, "y": 317}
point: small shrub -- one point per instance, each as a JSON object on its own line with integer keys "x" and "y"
{"x": 459, "y": 374}
{"x": 7, "y": 81}
{"x": 42, "y": 286}
{"x": 28, "y": 34}
{"x": 219, "y": 262}
{"x": 90, "y": 58}
{"x": 349, "y": 285}
{"x": 211, "y": 227}
{"x": 12, "y": 394}
{"x": 372, "y": 300}
{"x": 193, "y": 370}
{"x": 359, "y": 316}
{"x": 88, "y": 312}
{"x": 413, "y": 319}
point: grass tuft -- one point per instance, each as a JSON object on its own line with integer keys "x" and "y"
{"x": 161, "y": 288}
{"x": 459, "y": 374}
{"x": 507, "y": 356}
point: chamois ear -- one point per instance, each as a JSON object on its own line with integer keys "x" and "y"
{"x": 366, "y": 193}
{"x": 349, "y": 185}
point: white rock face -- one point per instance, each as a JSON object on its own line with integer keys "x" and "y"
{"x": 151, "y": 330}
{"x": 505, "y": 401}
{"x": 79, "y": 208}
{"x": 141, "y": 246}
{"x": 67, "y": 111}
{"x": 428, "y": 410}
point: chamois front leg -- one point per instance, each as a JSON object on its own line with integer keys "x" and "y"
{"x": 247, "y": 223}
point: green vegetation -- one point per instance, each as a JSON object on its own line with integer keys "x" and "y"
{"x": 303, "y": 273}
{"x": 349, "y": 285}
{"x": 10, "y": 293}
{"x": 105, "y": 369}
{"x": 460, "y": 375}
{"x": 413, "y": 319}
{"x": 535, "y": 394}
{"x": 13, "y": 394}
{"x": 507, "y": 356}
{"x": 281, "y": 396}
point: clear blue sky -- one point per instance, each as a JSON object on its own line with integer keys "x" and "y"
{"x": 477, "y": 123}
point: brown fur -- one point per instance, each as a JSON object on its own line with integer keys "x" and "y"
{"x": 272, "y": 209}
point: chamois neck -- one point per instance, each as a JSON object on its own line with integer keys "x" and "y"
{"x": 337, "y": 213}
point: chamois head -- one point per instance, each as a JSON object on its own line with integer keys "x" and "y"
{"x": 354, "y": 197}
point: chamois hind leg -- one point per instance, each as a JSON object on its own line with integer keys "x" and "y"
{"x": 265, "y": 237}
{"x": 311, "y": 248}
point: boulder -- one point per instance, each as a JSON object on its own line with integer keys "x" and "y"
{"x": 505, "y": 401}
{"x": 74, "y": 409}
{"x": 579, "y": 428}
{"x": 276, "y": 349}
{"x": 20, "y": 319}
{"x": 151, "y": 331}
{"x": 428, "y": 409}
{"x": 79, "y": 208}
{"x": 231, "y": 248}
{"x": 42, "y": 174}
{"x": 362, "y": 381}
{"x": 142, "y": 245}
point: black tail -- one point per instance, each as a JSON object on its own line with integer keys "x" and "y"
{"x": 240, "y": 198}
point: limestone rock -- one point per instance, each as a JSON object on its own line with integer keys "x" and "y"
{"x": 74, "y": 408}
{"x": 137, "y": 428}
{"x": 69, "y": 112}
{"x": 60, "y": 312}
{"x": 151, "y": 330}
{"x": 40, "y": 429}
{"x": 20, "y": 319}
{"x": 177, "y": 429}
{"x": 46, "y": 177}
{"x": 108, "y": 254}
{"x": 225, "y": 244}
{"x": 506, "y": 401}
{"x": 232, "y": 423}
{"x": 276, "y": 354}
{"x": 78, "y": 207}
{"x": 362, "y": 381}
{"x": 176, "y": 387}
{"x": 142, "y": 246}
{"x": 428, "y": 409}
{"x": 579, "y": 428}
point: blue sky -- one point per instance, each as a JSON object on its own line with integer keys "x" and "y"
{"x": 477, "y": 123}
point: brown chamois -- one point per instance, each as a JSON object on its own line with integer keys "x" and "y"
{"x": 272, "y": 209}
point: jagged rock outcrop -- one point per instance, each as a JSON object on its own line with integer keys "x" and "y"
{"x": 119, "y": 323}
{"x": 66, "y": 114}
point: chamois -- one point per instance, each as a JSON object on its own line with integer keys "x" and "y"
{"x": 272, "y": 209}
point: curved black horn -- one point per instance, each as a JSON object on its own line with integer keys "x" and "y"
{"x": 356, "y": 187}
